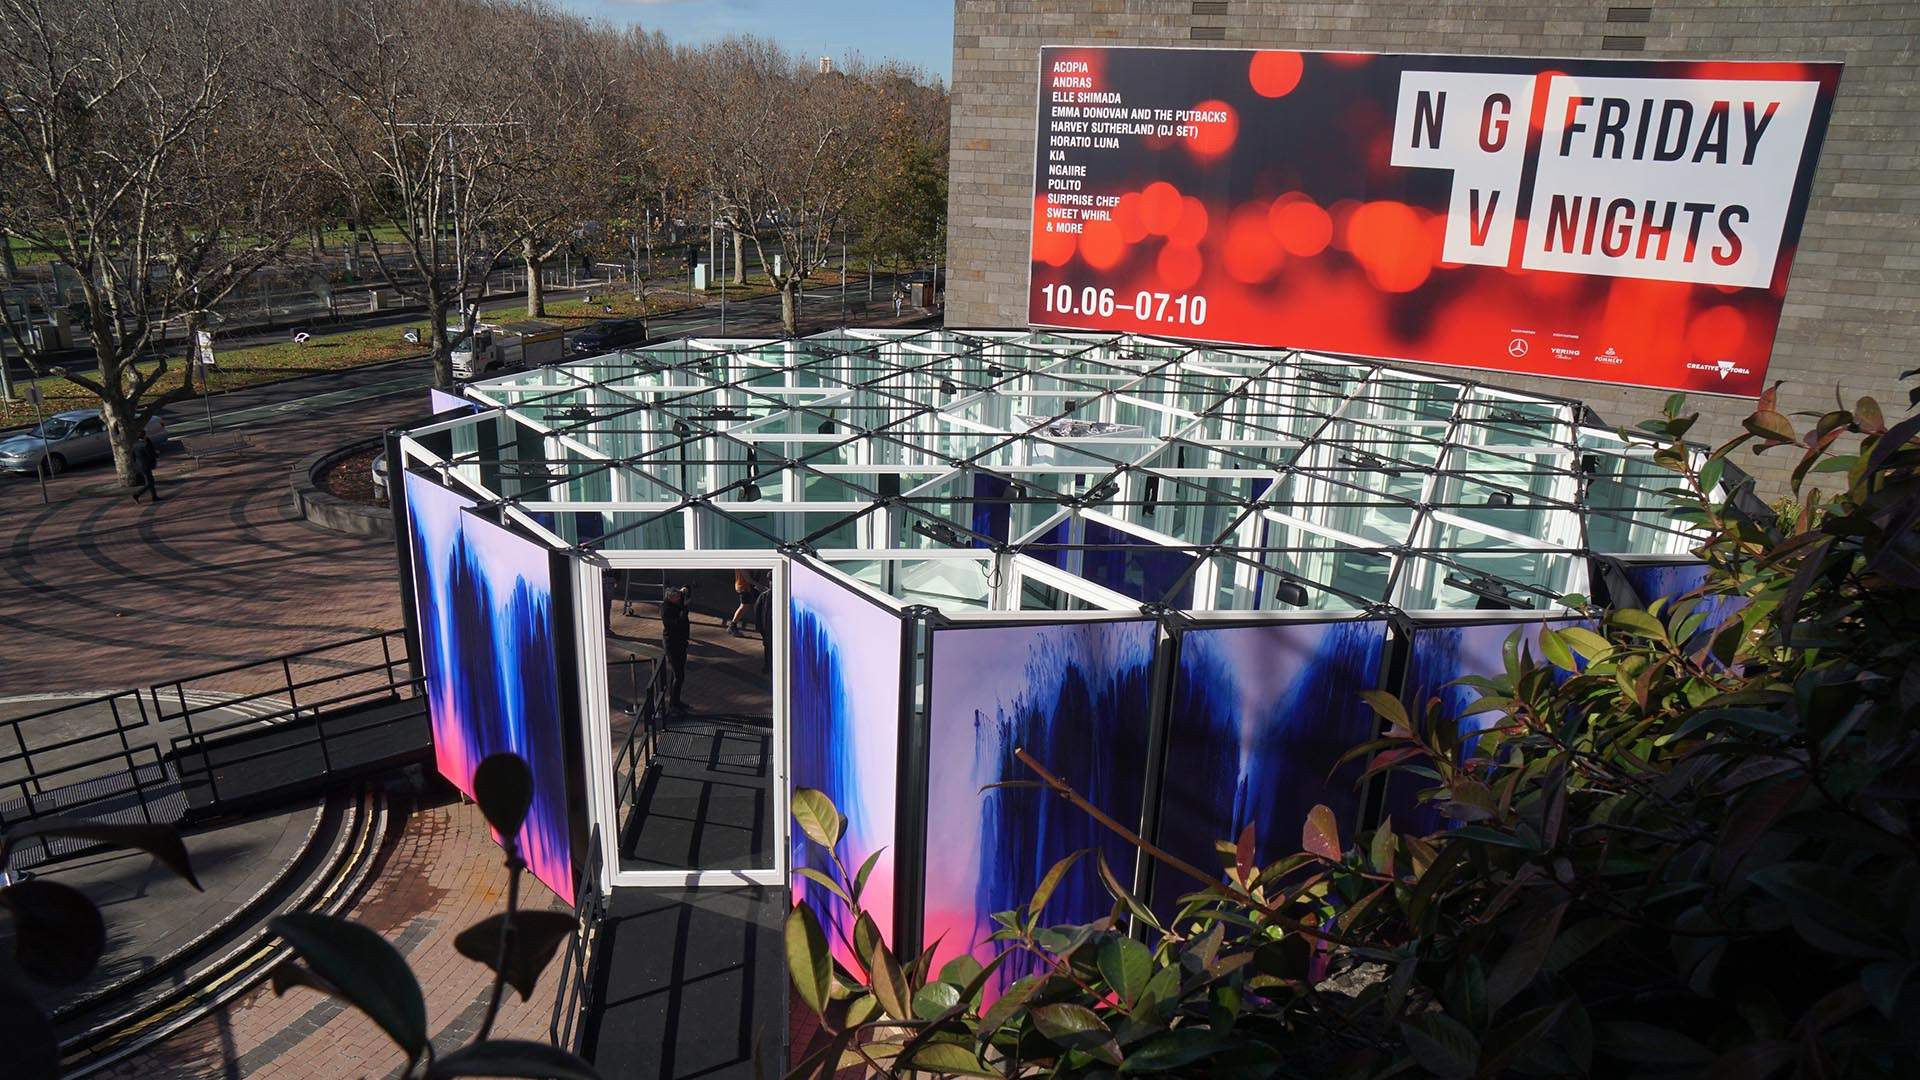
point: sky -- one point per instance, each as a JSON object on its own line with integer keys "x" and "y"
{"x": 919, "y": 32}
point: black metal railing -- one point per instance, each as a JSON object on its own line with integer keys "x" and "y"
{"x": 348, "y": 669}
{"x": 573, "y": 1000}
{"x": 122, "y": 756}
{"x": 330, "y": 722}
{"x": 38, "y": 736}
{"x": 84, "y": 758}
{"x": 138, "y": 789}
{"x": 642, "y": 743}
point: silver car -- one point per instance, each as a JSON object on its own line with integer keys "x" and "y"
{"x": 63, "y": 439}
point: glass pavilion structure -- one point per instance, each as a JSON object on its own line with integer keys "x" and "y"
{"x": 1146, "y": 558}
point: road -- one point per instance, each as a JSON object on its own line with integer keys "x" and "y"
{"x": 268, "y": 403}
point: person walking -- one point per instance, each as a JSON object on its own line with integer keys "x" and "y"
{"x": 676, "y": 629}
{"x": 899, "y": 298}
{"x": 763, "y": 622}
{"x": 146, "y": 458}
{"x": 743, "y": 589}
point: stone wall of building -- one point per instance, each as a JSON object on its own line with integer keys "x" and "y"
{"x": 1852, "y": 318}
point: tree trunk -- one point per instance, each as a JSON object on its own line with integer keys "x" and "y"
{"x": 790, "y": 306}
{"x": 437, "y": 334}
{"x": 739, "y": 258}
{"x": 120, "y": 435}
{"x": 536, "y": 291}
{"x": 8, "y": 268}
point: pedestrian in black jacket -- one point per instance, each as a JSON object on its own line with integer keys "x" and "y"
{"x": 676, "y": 629}
{"x": 146, "y": 458}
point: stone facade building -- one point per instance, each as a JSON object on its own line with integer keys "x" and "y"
{"x": 1852, "y": 316}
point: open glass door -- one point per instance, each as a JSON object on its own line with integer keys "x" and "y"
{"x": 690, "y": 718}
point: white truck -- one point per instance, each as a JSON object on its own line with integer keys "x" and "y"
{"x": 493, "y": 348}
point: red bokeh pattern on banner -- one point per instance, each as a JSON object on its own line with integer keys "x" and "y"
{"x": 1281, "y": 207}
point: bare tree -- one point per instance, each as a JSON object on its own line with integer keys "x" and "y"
{"x": 901, "y": 214}
{"x": 784, "y": 149}
{"x": 413, "y": 115}
{"x": 140, "y": 150}
{"x": 586, "y": 132}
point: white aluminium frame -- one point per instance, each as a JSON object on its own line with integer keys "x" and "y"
{"x": 596, "y": 719}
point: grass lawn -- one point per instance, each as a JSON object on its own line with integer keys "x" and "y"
{"x": 577, "y": 312}
{"x": 243, "y": 367}
{"x": 336, "y": 236}
{"x": 25, "y": 254}
{"x": 258, "y": 364}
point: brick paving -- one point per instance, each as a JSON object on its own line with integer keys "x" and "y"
{"x": 100, "y": 593}
{"x": 443, "y": 875}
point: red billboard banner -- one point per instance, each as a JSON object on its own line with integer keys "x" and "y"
{"x": 1628, "y": 222}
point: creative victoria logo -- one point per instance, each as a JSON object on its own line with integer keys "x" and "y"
{"x": 1722, "y": 368}
{"x": 1658, "y": 178}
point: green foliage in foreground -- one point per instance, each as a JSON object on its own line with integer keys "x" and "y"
{"x": 1681, "y": 844}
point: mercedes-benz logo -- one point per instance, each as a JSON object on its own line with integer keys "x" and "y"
{"x": 1517, "y": 347}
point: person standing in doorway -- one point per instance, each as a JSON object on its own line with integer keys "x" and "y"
{"x": 146, "y": 458}
{"x": 676, "y": 630}
{"x": 743, "y": 589}
{"x": 763, "y": 622}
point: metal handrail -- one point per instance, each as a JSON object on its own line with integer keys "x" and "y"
{"x": 196, "y": 742}
{"x": 138, "y": 788}
{"x": 119, "y": 729}
{"x": 146, "y": 767}
{"x": 294, "y": 711}
{"x": 328, "y": 647}
{"x": 642, "y": 743}
{"x": 288, "y": 685}
{"x": 567, "y": 1028}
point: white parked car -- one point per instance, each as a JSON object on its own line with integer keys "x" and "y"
{"x": 68, "y": 438}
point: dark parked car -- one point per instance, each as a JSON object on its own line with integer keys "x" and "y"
{"x": 609, "y": 334}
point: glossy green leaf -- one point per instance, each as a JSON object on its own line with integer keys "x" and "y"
{"x": 817, "y": 817}
{"x": 808, "y": 962}
{"x": 512, "y": 1058}
{"x": 1648, "y": 1044}
{"x": 1382, "y": 847}
{"x": 960, "y": 970}
{"x": 934, "y": 999}
{"x": 1511, "y": 1042}
{"x": 1051, "y": 881}
{"x": 1072, "y": 1026}
{"x": 821, "y": 879}
{"x": 1555, "y": 650}
{"x": 866, "y": 871}
{"x": 1442, "y": 1045}
{"x": 1387, "y": 706}
{"x": 367, "y": 971}
{"x": 949, "y": 1058}
{"x": 1126, "y": 965}
{"x": 1172, "y": 1051}
{"x": 1321, "y": 833}
{"x": 888, "y": 981}
{"x": 58, "y": 934}
{"x": 1638, "y": 622}
{"x": 1769, "y": 424}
